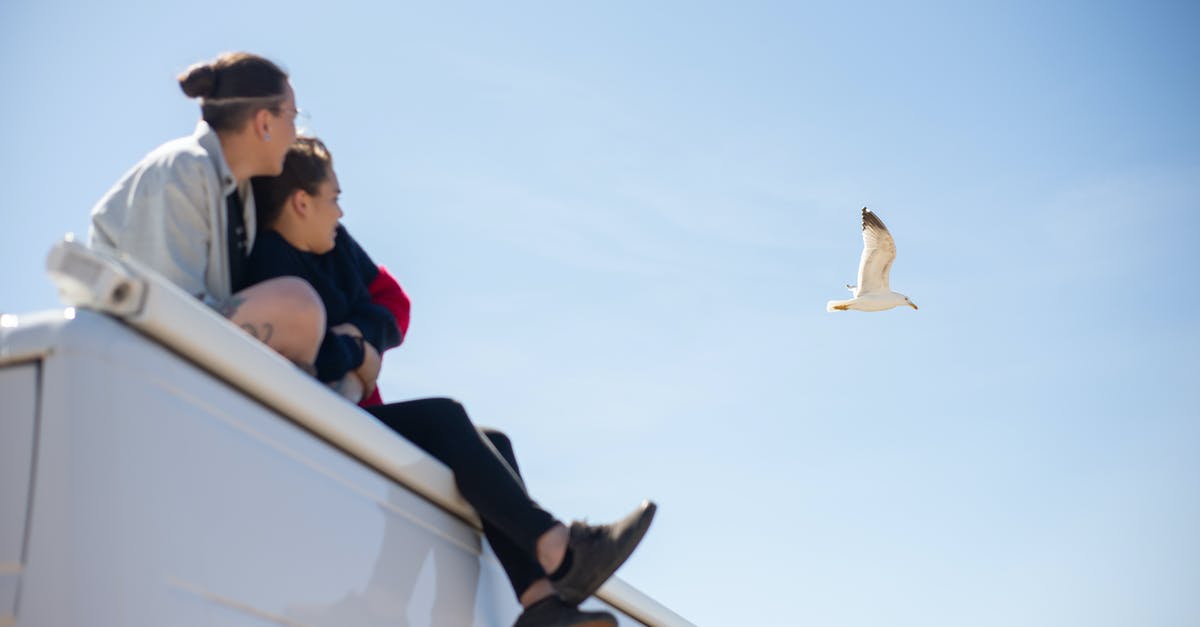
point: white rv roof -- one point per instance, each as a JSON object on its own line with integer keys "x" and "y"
{"x": 119, "y": 287}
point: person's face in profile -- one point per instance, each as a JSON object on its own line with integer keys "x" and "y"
{"x": 320, "y": 225}
{"x": 281, "y": 125}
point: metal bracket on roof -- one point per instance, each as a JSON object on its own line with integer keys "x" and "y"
{"x": 92, "y": 279}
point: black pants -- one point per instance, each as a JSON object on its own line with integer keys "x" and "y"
{"x": 485, "y": 470}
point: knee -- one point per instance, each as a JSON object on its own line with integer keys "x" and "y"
{"x": 451, "y": 411}
{"x": 498, "y": 438}
{"x": 305, "y": 313}
{"x": 445, "y": 404}
{"x": 303, "y": 304}
{"x": 503, "y": 446}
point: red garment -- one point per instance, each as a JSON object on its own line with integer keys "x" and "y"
{"x": 386, "y": 291}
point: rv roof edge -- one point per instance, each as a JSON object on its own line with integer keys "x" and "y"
{"x": 120, "y": 287}
{"x": 184, "y": 324}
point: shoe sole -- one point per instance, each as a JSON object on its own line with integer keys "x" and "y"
{"x": 591, "y": 622}
{"x": 595, "y": 622}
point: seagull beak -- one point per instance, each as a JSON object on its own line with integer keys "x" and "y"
{"x": 912, "y": 305}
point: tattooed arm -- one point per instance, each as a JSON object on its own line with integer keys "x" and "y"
{"x": 261, "y": 331}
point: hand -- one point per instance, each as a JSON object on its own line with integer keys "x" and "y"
{"x": 349, "y": 387}
{"x": 368, "y": 372}
{"x": 346, "y": 328}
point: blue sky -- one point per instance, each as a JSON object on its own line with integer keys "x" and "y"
{"x": 620, "y": 222}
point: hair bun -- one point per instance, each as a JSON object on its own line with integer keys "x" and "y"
{"x": 198, "y": 81}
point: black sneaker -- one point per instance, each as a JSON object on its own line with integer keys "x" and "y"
{"x": 597, "y": 551}
{"x": 552, "y": 612}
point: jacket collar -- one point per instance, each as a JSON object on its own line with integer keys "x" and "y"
{"x": 208, "y": 139}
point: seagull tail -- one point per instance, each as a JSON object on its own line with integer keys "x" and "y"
{"x": 837, "y": 305}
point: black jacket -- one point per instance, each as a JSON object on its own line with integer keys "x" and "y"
{"x": 340, "y": 277}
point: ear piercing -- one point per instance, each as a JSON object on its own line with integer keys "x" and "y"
{"x": 266, "y": 137}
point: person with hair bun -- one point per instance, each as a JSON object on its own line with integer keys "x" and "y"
{"x": 186, "y": 209}
{"x": 552, "y": 567}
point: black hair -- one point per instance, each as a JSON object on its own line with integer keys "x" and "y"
{"x": 233, "y": 87}
{"x": 306, "y": 166}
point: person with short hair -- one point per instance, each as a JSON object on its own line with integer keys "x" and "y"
{"x": 552, "y": 568}
{"x": 187, "y": 212}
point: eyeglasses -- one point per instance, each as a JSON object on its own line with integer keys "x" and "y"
{"x": 300, "y": 117}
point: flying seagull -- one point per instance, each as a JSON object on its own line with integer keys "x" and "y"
{"x": 872, "y": 292}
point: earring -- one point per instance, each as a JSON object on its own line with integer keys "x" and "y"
{"x": 266, "y": 137}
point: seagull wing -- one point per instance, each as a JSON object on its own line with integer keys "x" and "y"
{"x": 879, "y": 250}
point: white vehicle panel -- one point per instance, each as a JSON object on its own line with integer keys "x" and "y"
{"x": 162, "y": 467}
{"x": 18, "y": 413}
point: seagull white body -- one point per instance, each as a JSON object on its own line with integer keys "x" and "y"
{"x": 873, "y": 292}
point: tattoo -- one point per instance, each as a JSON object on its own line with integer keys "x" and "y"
{"x": 230, "y": 306}
{"x": 268, "y": 330}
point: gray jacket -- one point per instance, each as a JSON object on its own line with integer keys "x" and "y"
{"x": 169, "y": 213}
